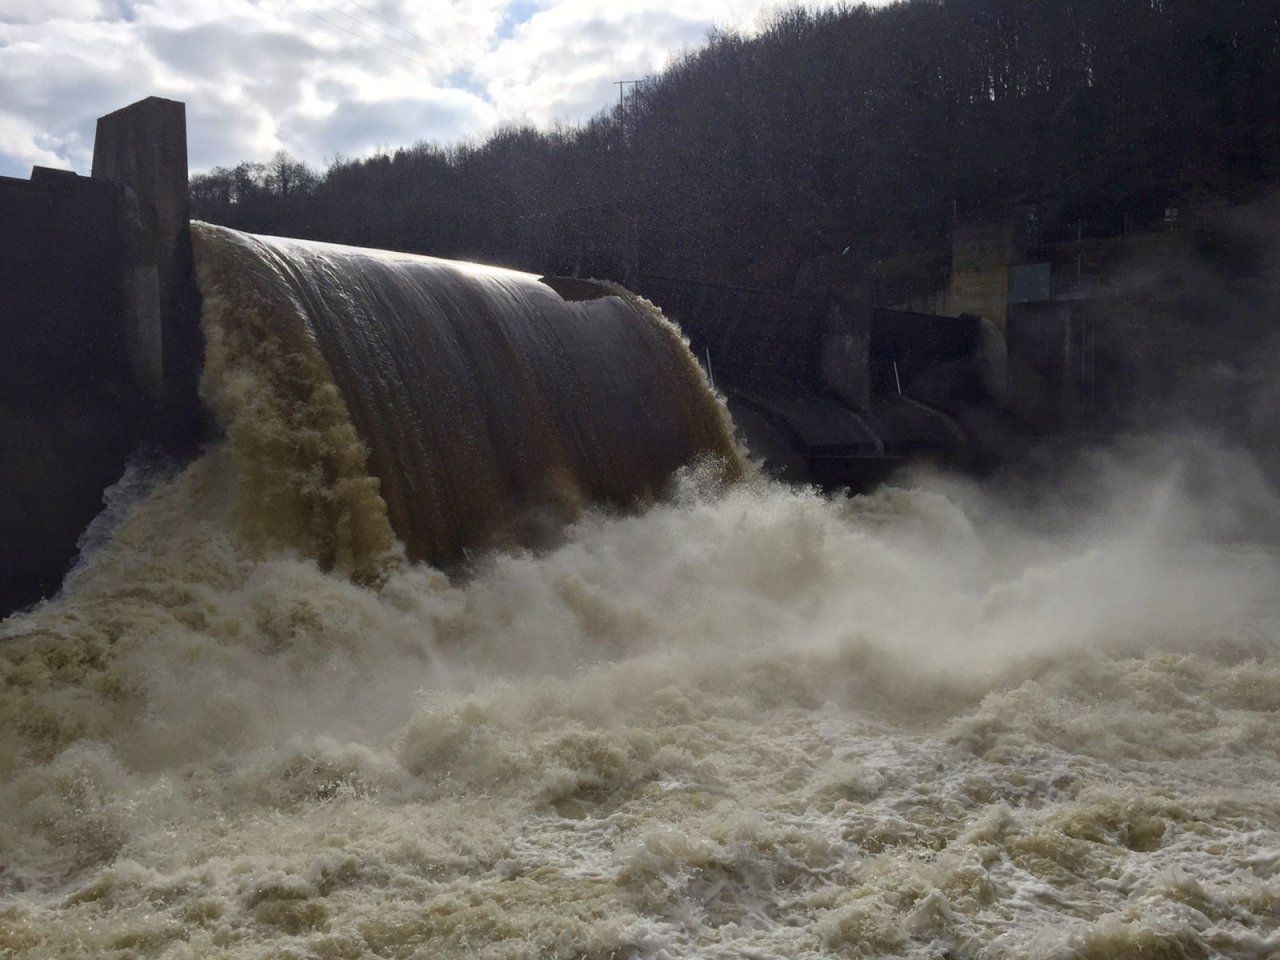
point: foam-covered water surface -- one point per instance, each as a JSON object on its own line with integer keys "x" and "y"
{"x": 749, "y": 722}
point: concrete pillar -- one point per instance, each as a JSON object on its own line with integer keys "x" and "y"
{"x": 846, "y": 347}
{"x": 983, "y": 252}
{"x": 144, "y": 147}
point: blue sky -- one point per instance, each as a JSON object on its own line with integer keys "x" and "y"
{"x": 326, "y": 78}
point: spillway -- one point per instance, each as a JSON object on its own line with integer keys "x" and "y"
{"x": 369, "y": 395}
{"x": 749, "y": 721}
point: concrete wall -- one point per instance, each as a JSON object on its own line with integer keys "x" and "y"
{"x": 846, "y": 347}
{"x": 1050, "y": 364}
{"x": 982, "y": 252}
{"x": 100, "y": 345}
{"x": 72, "y": 406}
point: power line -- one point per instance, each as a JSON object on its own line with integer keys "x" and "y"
{"x": 369, "y": 26}
{"x": 415, "y": 36}
{"x": 362, "y": 39}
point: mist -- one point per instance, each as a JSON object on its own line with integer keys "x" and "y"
{"x": 674, "y": 714}
{"x": 1028, "y": 713}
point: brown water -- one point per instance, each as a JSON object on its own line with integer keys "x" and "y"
{"x": 748, "y": 721}
{"x": 491, "y": 409}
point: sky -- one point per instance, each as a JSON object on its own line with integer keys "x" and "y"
{"x": 328, "y": 78}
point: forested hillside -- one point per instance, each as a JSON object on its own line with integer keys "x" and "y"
{"x": 861, "y": 129}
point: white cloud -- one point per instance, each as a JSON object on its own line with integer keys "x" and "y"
{"x": 325, "y": 77}
{"x": 562, "y": 62}
{"x": 356, "y": 128}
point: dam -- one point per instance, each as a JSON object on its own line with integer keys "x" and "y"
{"x": 381, "y": 403}
{"x": 371, "y": 399}
{"x": 753, "y": 720}
{"x": 492, "y": 409}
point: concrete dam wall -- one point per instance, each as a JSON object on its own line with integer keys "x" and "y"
{"x": 101, "y": 348}
{"x": 368, "y": 399}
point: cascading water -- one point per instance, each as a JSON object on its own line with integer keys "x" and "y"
{"x": 749, "y": 721}
{"x": 492, "y": 410}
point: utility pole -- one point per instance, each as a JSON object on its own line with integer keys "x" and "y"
{"x": 622, "y": 91}
{"x": 629, "y": 226}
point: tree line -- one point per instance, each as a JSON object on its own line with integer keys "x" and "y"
{"x": 859, "y": 130}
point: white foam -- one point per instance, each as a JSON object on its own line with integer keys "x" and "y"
{"x": 753, "y": 722}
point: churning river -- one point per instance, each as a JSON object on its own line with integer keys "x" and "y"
{"x": 746, "y": 722}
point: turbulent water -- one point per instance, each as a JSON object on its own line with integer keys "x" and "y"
{"x": 463, "y": 407}
{"x": 749, "y": 721}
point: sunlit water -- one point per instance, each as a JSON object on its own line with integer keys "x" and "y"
{"x": 748, "y": 722}
{"x": 461, "y": 406}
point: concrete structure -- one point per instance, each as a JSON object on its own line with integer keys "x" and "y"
{"x": 862, "y": 389}
{"x": 144, "y": 146}
{"x": 845, "y": 352}
{"x": 982, "y": 253}
{"x": 99, "y": 326}
{"x": 1051, "y": 384}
